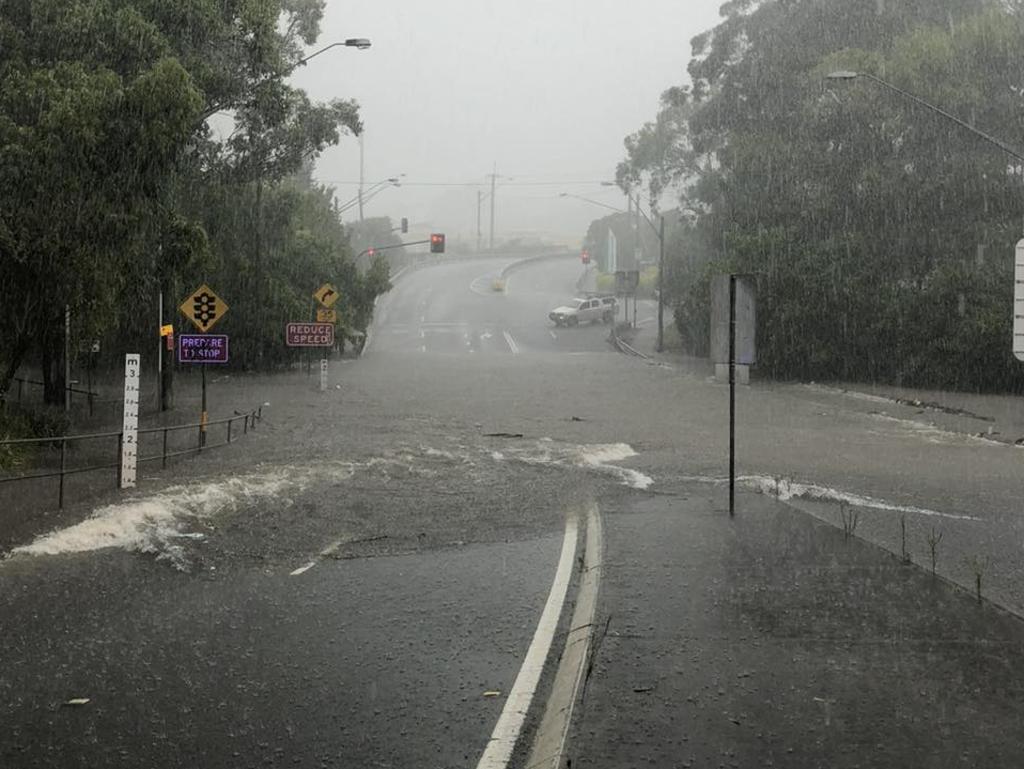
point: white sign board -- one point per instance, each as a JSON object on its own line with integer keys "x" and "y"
{"x": 323, "y": 374}
{"x": 613, "y": 252}
{"x": 130, "y": 422}
{"x": 1018, "y": 302}
{"x": 746, "y": 320}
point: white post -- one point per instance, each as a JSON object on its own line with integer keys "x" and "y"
{"x": 323, "y": 374}
{"x": 67, "y": 357}
{"x": 130, "y": 421}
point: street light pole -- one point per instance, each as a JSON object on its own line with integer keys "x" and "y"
{"x": 494, "y": 179}
{"x": 479, "y": 234}
{"x": 847, "y": 75}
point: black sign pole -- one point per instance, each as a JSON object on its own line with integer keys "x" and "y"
{"x": 732, "y": 395}
{"x": 203, "y": 418}
{"x": 309, "y": 352}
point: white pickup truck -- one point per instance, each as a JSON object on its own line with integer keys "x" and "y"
{"x": 589, "y": 310}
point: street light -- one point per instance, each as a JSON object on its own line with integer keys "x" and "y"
{"x": 846, "y": 75}
{"x": 353, "y": 42}
{"x": 588, "y": 200}
{"x": 369, "y": 194}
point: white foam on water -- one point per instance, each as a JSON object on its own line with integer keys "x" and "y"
{"x": 786, "y": 489}
{"x": 856, "y": 394}
{"x": 599, "y": 457}
{"x": 603, "y": 454}
{"x": 157, "y": 523}
{"x": 934, "y": 434}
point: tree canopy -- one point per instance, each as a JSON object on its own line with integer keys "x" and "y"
{"x": 116, "y": 187}
{"x": 880, "y": 232}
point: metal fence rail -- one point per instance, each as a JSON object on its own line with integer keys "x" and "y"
{"x": 195, "y": 445}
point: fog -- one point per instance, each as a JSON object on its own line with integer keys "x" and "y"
{"x": 543, "y": 91}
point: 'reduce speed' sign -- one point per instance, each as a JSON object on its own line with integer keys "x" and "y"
{"x": 309, "y": 334}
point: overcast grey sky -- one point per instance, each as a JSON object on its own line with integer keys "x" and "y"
{"x": 545, "y": 89}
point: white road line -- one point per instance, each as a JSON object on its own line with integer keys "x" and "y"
{"x": 553, "y": 334}
{"x": 511, "y": 343}
{"x": 329, "y": 550}
{"x": 552, "y": 735}
{"x": 423, "y": 348}
{"x": 510, "y": 722}
{"x": 423, "y": 334}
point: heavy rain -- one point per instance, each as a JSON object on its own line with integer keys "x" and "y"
{"x": 511, "y": 385}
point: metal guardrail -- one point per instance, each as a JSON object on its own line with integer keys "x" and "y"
{"x": 624, "y": 347}
{"x": 249, "y": 421}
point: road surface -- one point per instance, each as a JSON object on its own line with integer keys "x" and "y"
{"x": 369, "y": 579}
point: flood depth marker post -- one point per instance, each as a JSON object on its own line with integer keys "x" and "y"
{"x": 732, "y": 395}
{"x": 130, "y": 421}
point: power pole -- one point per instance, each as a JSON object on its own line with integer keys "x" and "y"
{"x": 479, "y": 203}
{"x": 494, "y": 178}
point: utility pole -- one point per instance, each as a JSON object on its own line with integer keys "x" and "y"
{"x": 632, "y": 245}
{"x": 361, "y": 176}
{"x": 479, "y": 203}
{"x": 494, "y": 178}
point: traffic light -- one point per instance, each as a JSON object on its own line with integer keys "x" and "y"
{"x": 437, "y": 243}
{"x": 405, "y": 225}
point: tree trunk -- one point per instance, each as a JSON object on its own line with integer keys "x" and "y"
{"x": 17, "y": 355}
{"x": 52, "y": 360}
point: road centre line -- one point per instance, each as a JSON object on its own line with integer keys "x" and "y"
{"x": 549, "y": 743}
{"x": 510, "y": 723}
{"x": 511, "y": 343}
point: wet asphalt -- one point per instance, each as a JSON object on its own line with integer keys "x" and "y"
{"x": 422, "y": 500}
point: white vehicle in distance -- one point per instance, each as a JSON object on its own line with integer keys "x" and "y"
{"x": 588, "y": 310}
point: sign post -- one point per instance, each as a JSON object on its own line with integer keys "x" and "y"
{"x": 1018, "y": 302}
{"x": 204, "y": 308}
{"x": 323, "y": 375}
{"x": 130, "y": 421}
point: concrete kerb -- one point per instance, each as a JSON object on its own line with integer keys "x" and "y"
{"x": 508, "y": 269}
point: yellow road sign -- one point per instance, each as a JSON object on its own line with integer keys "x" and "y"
{"x": 324, "y": 315}
{"x": 327, "y": 295}
{"x": 204, "y": 308}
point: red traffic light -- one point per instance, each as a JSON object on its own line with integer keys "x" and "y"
{"x": 437, "y": 243}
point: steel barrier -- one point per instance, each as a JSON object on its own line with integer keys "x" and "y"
{"x": 249, "y": 421}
